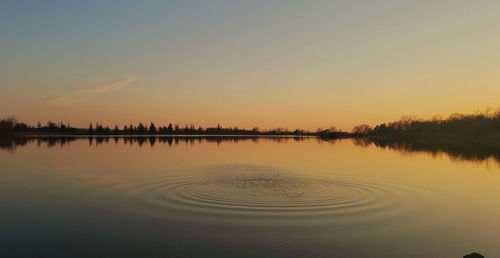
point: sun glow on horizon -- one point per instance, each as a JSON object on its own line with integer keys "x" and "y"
{"x": 290, "y": 64}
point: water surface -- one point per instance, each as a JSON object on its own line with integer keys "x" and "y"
{"x": 243, "y": 196}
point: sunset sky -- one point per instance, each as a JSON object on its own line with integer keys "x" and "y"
{"x": 293, "y": 64}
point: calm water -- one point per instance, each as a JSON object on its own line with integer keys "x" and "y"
{"x": 164, "y": 197}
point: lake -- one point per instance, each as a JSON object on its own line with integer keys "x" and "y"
{"x": 243, "y": 197}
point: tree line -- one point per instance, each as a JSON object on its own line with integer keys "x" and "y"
{"x": 11, "y": 125}
{"x": 176, "y": 129}
{"x": 486, "y": 124}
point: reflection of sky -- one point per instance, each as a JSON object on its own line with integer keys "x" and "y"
{"x": 87, "y": 197}
{"x": 259, "y": 63}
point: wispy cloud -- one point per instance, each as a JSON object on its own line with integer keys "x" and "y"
{"x": 53, "y": 99}
{"x": 91, "y": 90}
{"x": 112, "y": 86}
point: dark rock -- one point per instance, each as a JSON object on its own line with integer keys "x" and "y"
{"x": 473, "y": 255}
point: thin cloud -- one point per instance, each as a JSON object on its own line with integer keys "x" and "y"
{"x": 107, "y": 87}
{"x": 113, "y": 86}
{"x": 54, "y": 99}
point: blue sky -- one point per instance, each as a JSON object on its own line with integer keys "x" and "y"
{"x": 249, "y": 63}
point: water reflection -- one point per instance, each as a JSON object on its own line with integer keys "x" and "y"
{"x": 11, "y": 143}
{"x": 457, "y": 151}
{"x": 239, "y": 197}
{"x": 240, "y": 192}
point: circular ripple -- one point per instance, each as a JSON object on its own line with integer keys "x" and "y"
{"x": 267, "y": 193}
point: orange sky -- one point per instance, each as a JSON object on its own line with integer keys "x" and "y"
{"x": 292, "y": 64}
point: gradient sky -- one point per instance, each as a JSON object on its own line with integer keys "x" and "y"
{"x": 269, "y": 63}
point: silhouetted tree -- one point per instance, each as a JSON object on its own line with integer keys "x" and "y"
{"x": 10, "y": 125}
{"x": 334, "y": 129}
{"x": 52, "y": 127}
{"x": 152, "y": 128}
{"x": 456, "y": 125}
{"x": 99, "y": 129}
{"x": 141, "y": 128}
{"x": 362, "y": 129}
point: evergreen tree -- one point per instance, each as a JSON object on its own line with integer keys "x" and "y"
{"x": 152, "y": 128}
{"x": 141, "y": 128}
{"x": 170, "y": 129}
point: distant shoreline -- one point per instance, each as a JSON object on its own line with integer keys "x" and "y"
{"x": 166, "y": 135}
{"x": 456, "y": 128}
